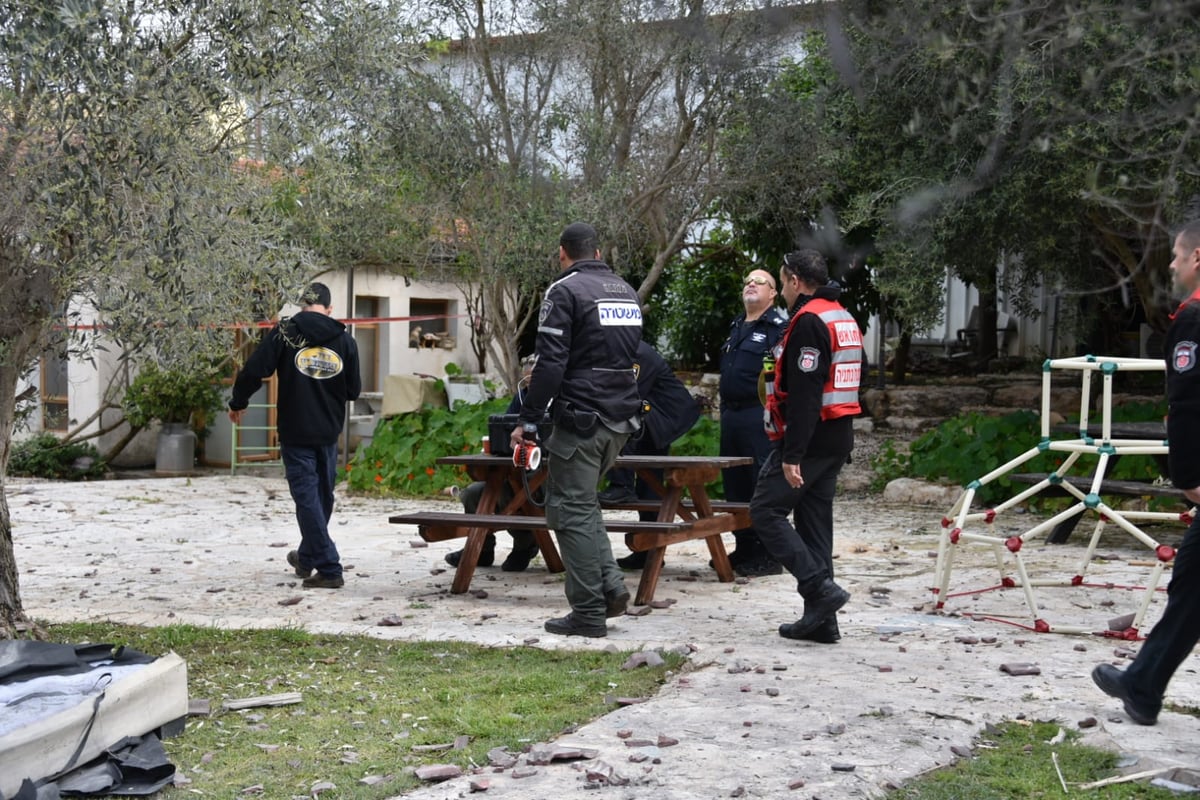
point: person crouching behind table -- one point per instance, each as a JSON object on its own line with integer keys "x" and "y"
{"x": 812, "y": 399}
{"x": 524, "y": 546}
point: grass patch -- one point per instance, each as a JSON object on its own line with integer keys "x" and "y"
{"x": 1016, "y": 760}
{"x": 367, "y": 704}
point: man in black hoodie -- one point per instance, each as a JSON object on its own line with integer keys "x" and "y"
{"x": 316, "y": 361}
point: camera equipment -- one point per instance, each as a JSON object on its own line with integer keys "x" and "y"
{"x": 500, "y": 427}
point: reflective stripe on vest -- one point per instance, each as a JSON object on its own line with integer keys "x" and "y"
{"x": 839, "y": 397}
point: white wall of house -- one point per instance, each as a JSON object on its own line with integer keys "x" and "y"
{"x": 385, "y": 344}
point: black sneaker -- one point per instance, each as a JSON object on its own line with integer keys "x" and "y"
{"x": 1109, "y": 679}
{"x": 569, "y": 626}
{"x": 518, "y": 560}
{"x": 293, "y": 558}
{"x": 617, "y": 496}
{"x": 757, "y": 568}
{"x": 736, "y": 556}
{"x": 633, "y": 561}
{"x": 615, "y": 604}
{"x": 825, "y": 633}
{"x": 487, "y": 556}
{"x": 320, "y": 581}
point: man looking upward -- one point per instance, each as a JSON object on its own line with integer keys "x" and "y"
{"x": 751, "y": 336}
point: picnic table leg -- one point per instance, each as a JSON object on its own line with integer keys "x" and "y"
{"x": 650, "y": 573}
{"x": 468, "y": 560}
{"x": 720, "y": 559}
{"x": 545, "y": 543}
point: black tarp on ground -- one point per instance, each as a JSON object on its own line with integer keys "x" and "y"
{"x": 135, "y": 765}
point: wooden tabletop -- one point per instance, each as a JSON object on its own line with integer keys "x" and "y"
{"x": 628, "y": 462}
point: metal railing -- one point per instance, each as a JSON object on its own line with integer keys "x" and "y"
{"x": 236, "y": 450}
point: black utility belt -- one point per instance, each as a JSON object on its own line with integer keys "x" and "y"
{"x": 739, "y": 405}
{"x": 577, "y": 420}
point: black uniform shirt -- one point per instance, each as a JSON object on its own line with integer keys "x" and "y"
{"x": 743, "y": 352}
{"x": 807, "y": 433}
{"x": 589, "y": 327}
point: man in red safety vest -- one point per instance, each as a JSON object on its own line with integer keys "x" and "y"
{"x": 812, "y": 398}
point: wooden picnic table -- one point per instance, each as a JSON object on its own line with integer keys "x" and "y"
{"x": 685, "y": 513}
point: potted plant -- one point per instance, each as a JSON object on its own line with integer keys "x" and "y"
{"x": 181, "y": 400}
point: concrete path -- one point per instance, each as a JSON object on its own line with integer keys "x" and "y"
{"x": 754, "y": 715}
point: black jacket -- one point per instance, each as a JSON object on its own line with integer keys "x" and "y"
{"x": 589, "y": 327}
{"x": 1182, "y": 351}
{"x": 316, "y": 360}
{"x": 673, "y": 409}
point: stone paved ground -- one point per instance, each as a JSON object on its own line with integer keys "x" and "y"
{"x": 754, "y": 715}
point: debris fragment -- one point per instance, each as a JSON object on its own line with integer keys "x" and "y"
{"x": 438, "y": 772}
{"x": 284, "y": 699}
{"x": 1020, "y": 668}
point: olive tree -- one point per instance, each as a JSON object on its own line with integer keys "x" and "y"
{"x": 144, "y": 145}
{"x": 607, "y": 111}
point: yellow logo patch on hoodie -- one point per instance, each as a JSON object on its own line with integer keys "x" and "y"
{"x": 319, "y": 362}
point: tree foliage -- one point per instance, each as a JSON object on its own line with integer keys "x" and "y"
{"x": 1055, "y": 139}
{"x": 144, "y": 145}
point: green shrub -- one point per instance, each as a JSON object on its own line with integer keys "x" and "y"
{"x": 401, "y": 458}
{"x": 704, "y": 439}
{"x": 171, "y": 395}
{"x": 45, "y": 456}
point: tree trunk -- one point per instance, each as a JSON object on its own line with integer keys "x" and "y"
{"x": 900, "y": 357}
{"x": 989, "y": 342}
{"x": 12, "y": 616}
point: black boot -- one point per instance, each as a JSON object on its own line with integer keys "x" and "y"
{"x": 519, "y": 558}
{"x": 826, "y": 632}
{"x": 821, "y": 601}
{"x": 636, "y": 560}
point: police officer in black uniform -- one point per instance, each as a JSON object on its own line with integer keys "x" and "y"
{"x": 1142, "y": 685}
{"x": 751, "y": 336}
{"x": 589, "y": 327}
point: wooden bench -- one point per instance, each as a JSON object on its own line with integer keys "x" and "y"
{"x": 441, "y": 526}
{"x": 651, "y": 537}
{"x": 1108, "y": 486}
{"x": 687, "y": 505}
